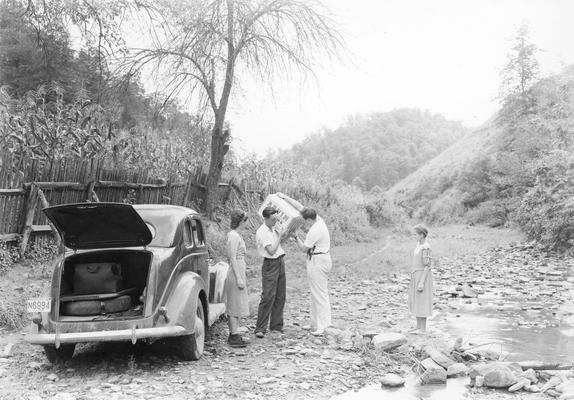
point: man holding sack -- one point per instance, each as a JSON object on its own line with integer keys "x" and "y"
{"x": 317, "y": 244}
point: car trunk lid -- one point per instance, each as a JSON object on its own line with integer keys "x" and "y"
{"x": 99, "y": 225}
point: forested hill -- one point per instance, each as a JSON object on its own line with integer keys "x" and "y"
{"x": 517, "y": 168}
{"x": 376, "y": 149}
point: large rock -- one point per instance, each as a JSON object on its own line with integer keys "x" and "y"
{"x": 457, "y": 369}
{"x": 499, "y": 377}
{"x": 482, "y": 369}
{"x": 530, "y": 374}
{"x": 392, "y": 380}
{"x": 552, "y": 383}
{"x": 333, "y": 332}
{"x": 434, "y": 376}
{"x": 532, "y": 388}
{"x": 389, "y": 340}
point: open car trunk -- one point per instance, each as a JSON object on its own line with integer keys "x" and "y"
{"x": 104, "y": 285}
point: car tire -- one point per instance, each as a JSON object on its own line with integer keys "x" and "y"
{"x": 191, "y": 346}
{"x": 60, "y": 354}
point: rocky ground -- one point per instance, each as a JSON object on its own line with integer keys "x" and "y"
{"x": 368, "y": 297}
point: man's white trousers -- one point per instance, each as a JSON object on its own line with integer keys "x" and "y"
{"x": 318, "y": 269}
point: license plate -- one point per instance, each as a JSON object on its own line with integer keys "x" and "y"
{"x": 39, "y": 305}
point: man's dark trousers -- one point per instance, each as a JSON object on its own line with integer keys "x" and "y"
{"x": 273, "y": 297}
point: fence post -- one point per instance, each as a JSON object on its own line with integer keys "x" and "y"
{"x": 91, "y": 193}
{"x": 187, "y": 190}
{"x": 45, "y": 204}
{"x": 30, "y": 212}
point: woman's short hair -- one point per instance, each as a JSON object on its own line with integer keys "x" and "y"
{"x": 236, "y": 218}
{"x": 421, "y": 229}
{"x": 309, "y": 213}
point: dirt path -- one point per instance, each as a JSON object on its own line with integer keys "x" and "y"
{"x": 366, "y": 293}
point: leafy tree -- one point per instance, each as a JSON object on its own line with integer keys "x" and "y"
{"x": 31, "y": 54}
{"x": 204, "y": 47}
{"x": 520, "y": 72}
{"x": 546, "y": 212}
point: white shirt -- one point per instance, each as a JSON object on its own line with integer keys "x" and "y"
{"x": 264, "y": 237}
{"x": 318, "y": 236}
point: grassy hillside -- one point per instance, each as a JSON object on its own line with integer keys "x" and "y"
{"x": 431, "y": 192}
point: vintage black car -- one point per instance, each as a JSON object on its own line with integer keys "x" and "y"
{"x": 129, "y": 273}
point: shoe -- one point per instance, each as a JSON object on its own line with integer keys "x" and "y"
{"x": 277, "y": 331}
{"x": 318, "y": 332}
{"x": 236, "y": 341}
{"x": 242, "y": 329}
{"x": 259, "y": 335}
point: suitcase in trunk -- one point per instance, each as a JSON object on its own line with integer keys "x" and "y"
{"x": 97, "y": 307}
{"x": 92, "y": 278}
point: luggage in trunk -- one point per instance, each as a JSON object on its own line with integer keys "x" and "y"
{"x": 91, "y": 278}
{"x": 104, "y": 283}
{"x": 97, "y": 307}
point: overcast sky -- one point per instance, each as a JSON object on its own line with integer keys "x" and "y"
{"x": 444, "y": 56}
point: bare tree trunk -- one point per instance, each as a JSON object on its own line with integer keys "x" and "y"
{"x": 219, "y": 136}
{"x": 219, "y": 148}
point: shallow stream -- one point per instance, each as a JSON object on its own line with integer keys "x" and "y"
{"x": 516, "y": 329}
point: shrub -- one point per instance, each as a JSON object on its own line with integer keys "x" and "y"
{"x": 492, "y": 213}
{"x": 380, "y": 211}
{"x": 11, "y": 313}
{"x": 546, "y": 212}
{"x": 42, "y": 252}
{"x": 8, "y": 256}
{"x": 445, "y": 209}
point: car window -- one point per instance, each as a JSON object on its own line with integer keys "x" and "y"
{"x": 151, "y": 229}
{"x": 197, "y": 232}
{"x": 164, "y": 226}
{"x": 188, "y": 238}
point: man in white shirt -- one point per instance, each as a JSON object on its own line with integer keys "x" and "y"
{"x": 274, "y": 286}
{"x": 317, "y": 245}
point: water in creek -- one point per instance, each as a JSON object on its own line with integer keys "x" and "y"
{"x": 453, "y": 390}
{"x": 516, "y": 334}
{"x": 515, "y": 329}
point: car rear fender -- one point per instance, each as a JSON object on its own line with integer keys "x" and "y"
{"x": 181, "y": 304}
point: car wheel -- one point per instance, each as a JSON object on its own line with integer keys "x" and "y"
{"x": 191, "y": 346}
{"x": 60, "y": 354}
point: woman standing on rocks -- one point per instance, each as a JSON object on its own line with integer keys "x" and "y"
{"x": 421, "y": 285}
{"x": 235, "y": 291}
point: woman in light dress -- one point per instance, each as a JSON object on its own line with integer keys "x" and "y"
{"x": 421, "y": 284}
{"x": 235, "y": 293}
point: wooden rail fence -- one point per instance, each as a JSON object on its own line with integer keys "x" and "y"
{"x": 28, "y": 186}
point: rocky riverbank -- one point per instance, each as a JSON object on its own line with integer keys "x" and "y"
{"x": 368, "y": 299}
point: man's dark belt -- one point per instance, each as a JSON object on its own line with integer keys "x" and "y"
{"x": 311, "y": 253}
{"x": 271, "y": 259}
